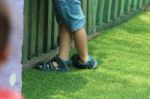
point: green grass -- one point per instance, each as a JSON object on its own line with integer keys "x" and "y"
{"x": 124, "y": 73}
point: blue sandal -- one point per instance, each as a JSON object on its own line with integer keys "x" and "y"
{"x": 90, "y": 64}
{"x": 56, "y": 64}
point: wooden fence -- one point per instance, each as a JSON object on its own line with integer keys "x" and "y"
{"x": 41, "y": 29}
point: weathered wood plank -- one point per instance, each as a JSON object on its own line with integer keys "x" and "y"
{"x": 27, "y": 6}
{"x": 107, "y": 11}
{"x": 114, "y": 9}
{"x": 94, "y": 15}
{"x": 100, "y": 12}
{"x": 40, "y": 29}
{"x": 48, "y": 31}
{"x": 90, "y": 9}
{"x": 32, "y": 40}
{"x": 121, "y": 7}
{"x": 55, "y": 31}
{"x": 84, "y": 7}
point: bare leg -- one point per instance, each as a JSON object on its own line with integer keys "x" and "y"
{"x": 65, "y": 42}
{"x": 80, "y": 38}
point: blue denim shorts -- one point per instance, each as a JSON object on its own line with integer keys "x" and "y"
{"x": 69, "y": 12}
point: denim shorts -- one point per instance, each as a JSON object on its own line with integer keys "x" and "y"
{"x": 69, "y": 12}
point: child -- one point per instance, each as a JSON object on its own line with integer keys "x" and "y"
{"x": 4, "y": 32}
{"x": 71, "y": 21}
{"x": 11, "y": 67}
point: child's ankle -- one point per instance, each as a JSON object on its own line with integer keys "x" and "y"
{"x": 84, "y": 59}
{"x": 63, "y": 58}
{"x": 67, "y": 61}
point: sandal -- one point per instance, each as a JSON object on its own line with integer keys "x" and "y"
{"x": 56, "y": 64}
{"x": 90, "y": 64}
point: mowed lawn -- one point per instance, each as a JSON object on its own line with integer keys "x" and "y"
{"x": 123, "y": 53}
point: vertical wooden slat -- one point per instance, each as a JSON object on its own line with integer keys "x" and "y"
{"x": 121, "y": 7}
{"x": 129, "y": 5}
{"x": 84, "y": 7}
{"x": 132, "y": 5}
{"x": 26, "y": 30}
{"x": 95, "y": 4}
{"x": 107, "y": 10}
{"x": 55, "y": 30}
{"x": 114, "y": 9}
{"x": 126, "y": 9}
{"x": 48, "y": 34}
{"x": 90, "y": 9}
{"x": 147, "y": 3}
{"x": 32, "y": 42}
{"x": 56, "y": 34}
{"x": 40, "y": 29}
{"x": 140, "y": 3}
{"x": 143, "y": 3}
{"x": 100, "y": 12}
{"x": 135, "y": 5}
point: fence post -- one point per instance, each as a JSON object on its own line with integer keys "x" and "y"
{"x": 40, "y": 29}
{"x": 95, "y": 6}
{"x": 26, "y": 30}
{"x": 100, "y": 12}
{"x": 146, "y": 3}
{"x": 32, "y": 40}
{"x": 114, "y": 9}
{"x": 55, "y": 30}
{"x": 107, "y": 10}
{"x": 127, "y": 6}
{"x": 134, "y": 5}
{"x": 84, "y": 7}
{"x": 48, "y": 31}
{"x": 90, "y": 9}
{"x": 140, "y": 3}
{"x": 121, "y": 7}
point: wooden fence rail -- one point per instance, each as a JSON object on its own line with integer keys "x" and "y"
{"x": 41, "y": 29}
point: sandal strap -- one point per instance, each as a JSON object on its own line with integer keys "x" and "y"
{"x": 88, "y": 65}
{"x": 56, "y": 64}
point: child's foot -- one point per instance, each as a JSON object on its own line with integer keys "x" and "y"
{"x": 90, "y": 64}
{"x": 56, "y": 64}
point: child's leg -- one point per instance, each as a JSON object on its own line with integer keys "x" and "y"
{"x": 80, "y": 38}
{"x": 65, "y": 42}
{"x": 70, "y": 14}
